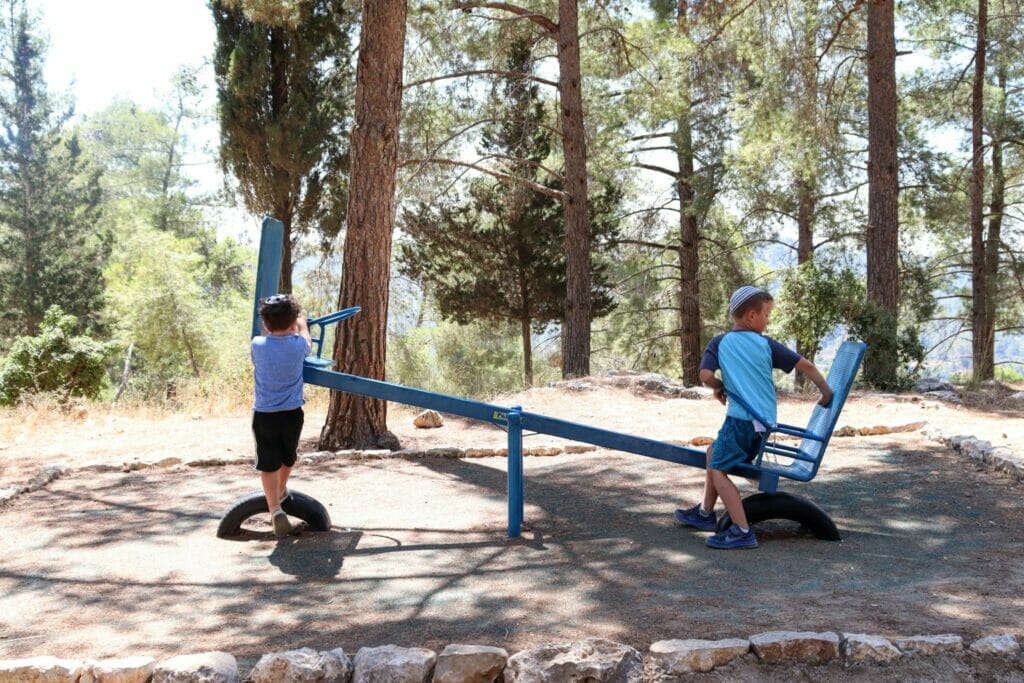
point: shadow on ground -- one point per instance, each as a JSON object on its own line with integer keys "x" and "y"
{"x": 116, "y": 564}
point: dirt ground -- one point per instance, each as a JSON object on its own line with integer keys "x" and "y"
{"x": 113, "y": 564}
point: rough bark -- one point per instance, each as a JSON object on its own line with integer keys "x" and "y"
{"x": 527, "y": 353}
{"x": 361, "y": 345}
{"x": 980, "y": 350}
{"x": 576, "y": 333}
{"x": 688, "y": 300}
{"x": 883, "y": 189}
{"x": 984, "y": 362}
{"x": 689, "y": 257}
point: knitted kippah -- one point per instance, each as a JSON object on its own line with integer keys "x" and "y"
{"x": 741, "y": 295}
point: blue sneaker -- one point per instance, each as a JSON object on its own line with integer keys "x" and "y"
{"x": 733, "y": 539}
{"x": 692, "y": 517}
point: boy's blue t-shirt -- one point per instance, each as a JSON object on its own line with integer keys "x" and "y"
{"x": 277, "y": 367}
{"x": 746, "y": 359}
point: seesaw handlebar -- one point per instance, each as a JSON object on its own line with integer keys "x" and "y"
{"x": 323, "y": 321}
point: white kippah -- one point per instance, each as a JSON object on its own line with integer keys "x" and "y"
{"x": 741, "y": 295}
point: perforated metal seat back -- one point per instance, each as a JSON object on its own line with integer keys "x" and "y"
{"x": 840, "y": 378}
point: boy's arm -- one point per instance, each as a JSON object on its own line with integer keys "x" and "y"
{"x": 708, "y": 379}
{"x": 807, "y": 367}
{"x": 302, "y": 329}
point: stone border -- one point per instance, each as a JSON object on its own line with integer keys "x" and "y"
{"x": 997, "y": 458}
{"x": 594, "y": 659}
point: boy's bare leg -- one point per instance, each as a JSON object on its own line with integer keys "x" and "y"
{"x": 282, "y": 483}
{"x": 710, "y": 491}
{"x": 731, "y": 497}
{"x": 271, "y": 489}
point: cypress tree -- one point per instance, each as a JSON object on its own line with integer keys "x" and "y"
{"x": 284, "y": 83}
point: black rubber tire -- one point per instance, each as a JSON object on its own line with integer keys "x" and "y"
{"x": 762, "y": 506}
{"x": 306, "y": 508}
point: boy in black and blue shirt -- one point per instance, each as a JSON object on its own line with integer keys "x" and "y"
{"x": 746, "y": 358}
{"x": 277, "y": 417}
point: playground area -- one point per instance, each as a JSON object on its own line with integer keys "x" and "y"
{"x": 118, "y": 563}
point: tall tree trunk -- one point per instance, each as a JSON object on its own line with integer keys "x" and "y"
{"x": 883, "y": 192}
{"x": 283, "y": 204}
{"x": 285, "y": 283}
{"x": 527, "y": 353}
{"x": 361, "y": 344}
{"x": 689, "y": 258}
{"x": 805, "y": 213}
{"x": 576, "y": 332}
{"x": 690, "y": 323}
{"x": 985, "y": 366}
{"x": 980, "y": 350}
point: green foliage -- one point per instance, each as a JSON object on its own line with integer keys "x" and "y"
{"x": 814, "y": 300}
{"x": 878, "y": 327}
{"x": 499, "y": 255}
{"x": 284, "y": 84}
{"x": 54, "y": 362}
{"x": 51, "y": 252}
{"x": 475, "y": 360}
{"x": 180, "y": 328}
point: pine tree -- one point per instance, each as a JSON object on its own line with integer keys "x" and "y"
{"x": 499, "y": 255}
{"x": 50, "y": 250}
{"x": 284, "y": 84}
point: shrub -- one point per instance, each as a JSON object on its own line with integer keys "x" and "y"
{"x": 54, "y": 362}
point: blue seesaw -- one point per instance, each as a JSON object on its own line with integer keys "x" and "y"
{"x": 774, "y": 461}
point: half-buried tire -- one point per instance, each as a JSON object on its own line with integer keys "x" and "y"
{"x": 762, "y": 506}
{"x": 306, "y": 508}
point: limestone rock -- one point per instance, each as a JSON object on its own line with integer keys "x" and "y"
{"x": 205, "y": 667}
{"x": 393, "y": 664}
{"x": 701, "y": 441}
{"x": 931, "y": 645}
{"x": 479, "y": 452}
{"x": 445, "y": 452}
{"x": 1019, "y": 396}
{"x": 930, "y": 384}
{"x": 976, "y": 449}
{"x": 574, "y": 385}
{"x": 96, "y": 466}
{"x": 845, "y": 430}
{"x": 1002, "y": 645}
{"x": 470, "y": 664}
{"x": 947, "y": 396}
{"x": 428, "y": 419}
{"x": 40, "y": 670}
{"x": 126, "y": 670}
{"x": 303, "y": 666}
{"x": 677, "y": 657}
{"x": 592, "y": 659}
{"x": 575, "y": 449}
{"x": 542, "y": 450}
{"x": 804, "y": 647}
{"x": 862, "y": 648}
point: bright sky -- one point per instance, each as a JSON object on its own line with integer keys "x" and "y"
{"x": 128, "y": 48}
{"x": 107, "y": 49}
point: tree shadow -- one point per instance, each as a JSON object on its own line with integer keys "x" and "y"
{"x": 600, "y": 555}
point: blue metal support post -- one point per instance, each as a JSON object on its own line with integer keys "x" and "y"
{"x": 515, "y": 471}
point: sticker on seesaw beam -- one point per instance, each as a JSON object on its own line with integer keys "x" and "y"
{"x": 498, "y": 415}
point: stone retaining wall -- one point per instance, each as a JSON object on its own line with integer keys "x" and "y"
{"x": 769, "y": 654}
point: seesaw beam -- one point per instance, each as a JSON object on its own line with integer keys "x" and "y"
{"x": 513, "y": 419}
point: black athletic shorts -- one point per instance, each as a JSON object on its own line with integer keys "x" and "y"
{"x": 277, "y": 438}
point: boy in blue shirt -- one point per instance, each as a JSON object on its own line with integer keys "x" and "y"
{"x": 746, "y": 358}
{"x": 277, "y": 416}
